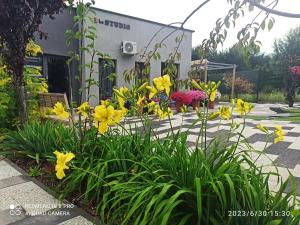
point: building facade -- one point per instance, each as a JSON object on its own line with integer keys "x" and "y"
{"x": 123, "y": 38}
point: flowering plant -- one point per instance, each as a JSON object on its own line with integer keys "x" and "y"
{"x": 197, "y": 95}
{"x": 182, "y": 97}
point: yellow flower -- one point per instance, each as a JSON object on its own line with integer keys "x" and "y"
{"x": 243, "y": 107}
{"x": 105, "y": 116}
{"x": 84, "y": 109}
{"x": 212, "y": 95}
{"x": 59, "y": 111}
{"x": 61, "y": 163}
{"x": 225, "y": 112}
{"x": 105, "y": 102}
{"x": 279, "y": 134}
{"x": 262, "y": 128}
{"x": 152, "y": 91}
{"x": 161, "y": 114}
{"x": 214, "y": 115}
{"x": 163, "y": 83}
{"x": 196, "y": 85}
{"x": 151, "y": 106}
{"x": 140, "y": 101}
{"x": 143, "y": 86}
{"x": 121, "y": 96}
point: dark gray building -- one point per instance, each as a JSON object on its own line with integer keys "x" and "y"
{"x": 120, "y": 36}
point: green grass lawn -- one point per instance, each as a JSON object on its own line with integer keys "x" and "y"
{"x": 295, "y": 117}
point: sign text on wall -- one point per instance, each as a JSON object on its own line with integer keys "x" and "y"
{"x": 112, "y": 23}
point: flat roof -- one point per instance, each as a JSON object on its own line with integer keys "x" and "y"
{"x": 141, "y": 19}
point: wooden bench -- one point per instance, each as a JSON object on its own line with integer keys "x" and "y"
{"x": 48, "y": 100}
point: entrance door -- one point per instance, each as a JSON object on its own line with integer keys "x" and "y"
{"x": 57, "y": 74}
{"x": 107, "y": 80}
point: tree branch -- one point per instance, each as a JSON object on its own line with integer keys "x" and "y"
{"x": 273, "y": 11}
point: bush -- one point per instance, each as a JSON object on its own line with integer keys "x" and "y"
{"x": 8, "y": 106}
{"x": 276, "y": 96}
{"x": 242, "y": 86}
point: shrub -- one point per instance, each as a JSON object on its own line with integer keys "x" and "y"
{"x": 241, "y": 85}
{"x": 8, "y": 106}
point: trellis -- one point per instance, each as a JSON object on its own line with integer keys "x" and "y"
{"x": 205, "y": 65}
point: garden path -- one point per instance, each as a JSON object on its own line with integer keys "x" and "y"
{"x": 25, "y": 201}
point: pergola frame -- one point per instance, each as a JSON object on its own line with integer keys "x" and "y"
{"x": 206, "y": 65}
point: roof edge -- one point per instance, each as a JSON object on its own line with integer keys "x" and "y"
{"x": 141, "y": 19}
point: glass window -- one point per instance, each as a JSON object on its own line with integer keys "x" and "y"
{"x": 142, "y": 75}
{"x": 107, "y": 77}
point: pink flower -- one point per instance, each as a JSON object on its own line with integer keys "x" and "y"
{"x": 182, "y": 97}
{"x": 197, "y": 95}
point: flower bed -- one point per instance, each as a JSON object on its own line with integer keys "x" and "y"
{"x": 125, "y": 176}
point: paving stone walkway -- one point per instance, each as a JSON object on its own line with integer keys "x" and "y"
{"x": 25, "y": 201}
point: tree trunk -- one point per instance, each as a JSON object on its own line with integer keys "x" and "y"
{"x": 21, "y": 101}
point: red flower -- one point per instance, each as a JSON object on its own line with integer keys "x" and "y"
{"x": 182, "y": 97}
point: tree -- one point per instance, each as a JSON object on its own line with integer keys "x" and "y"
{"x": 20, "y": 20}
{"x": 287, "y": 54}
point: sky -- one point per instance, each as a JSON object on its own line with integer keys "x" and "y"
{"x": 168, "y": 11}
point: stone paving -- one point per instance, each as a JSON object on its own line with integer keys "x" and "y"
{"x": 25, "y": 201}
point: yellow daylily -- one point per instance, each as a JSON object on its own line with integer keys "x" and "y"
{"x": 143, "y": 86}
{"x": 105, "y": 102}
{"x": 196, "y": 85}
{"x": 212, "y": 95}
{"x": 262, "y": 128}
{"x": 243, "y": 107}
{"x": 225, "y": 112}
{"x": 61, "y": 163}
{"x": 163, "y": 83}
{"x": 140, "y": 101}
{"x": 214, "y": 115}
{"x": 106, "y": 116}
{"x": 121, "y": 95}
{"x": 153, "y": 91}
{"x": 151, "y": 106}
{"x": 161, "y": 114}
{"x": 84, "y": 109}
{"x": 279, "y": 134}
{"x": 59, "y": 111}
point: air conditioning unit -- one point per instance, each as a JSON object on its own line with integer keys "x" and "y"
{"x": 128, "y": 47}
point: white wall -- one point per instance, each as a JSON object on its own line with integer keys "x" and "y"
{"x": 110, "y": 38}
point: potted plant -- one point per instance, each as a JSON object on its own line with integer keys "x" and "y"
{"x": 196, "y": 97}
{"x": 181, "y": 99}
{"x": 211, "y": 104}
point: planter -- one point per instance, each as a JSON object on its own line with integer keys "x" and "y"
{"x": 196, "y": 104}
{"x": 178, "y": 106}
{"x": 211, "y": 105}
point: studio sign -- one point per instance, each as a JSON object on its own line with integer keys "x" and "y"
{"x": 112, "y": 23}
